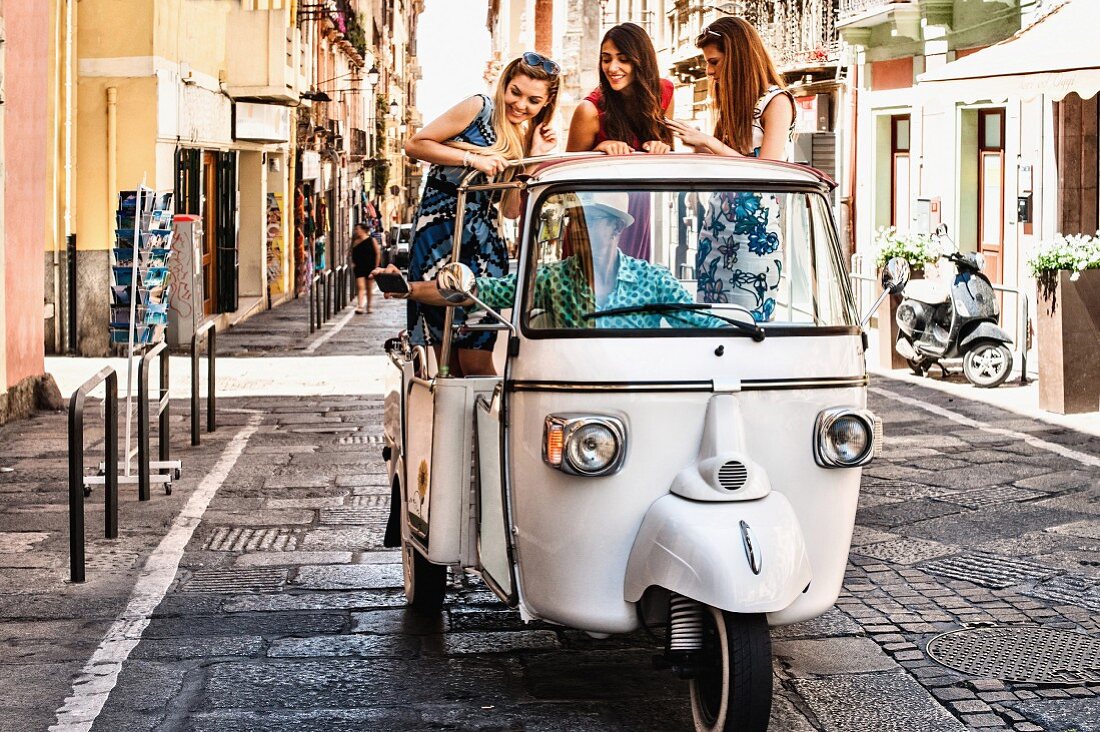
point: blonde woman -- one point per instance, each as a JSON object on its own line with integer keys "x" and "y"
{"x": 485, "y": 134}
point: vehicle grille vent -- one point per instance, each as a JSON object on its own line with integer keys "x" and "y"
{"x": 733, "y": 475}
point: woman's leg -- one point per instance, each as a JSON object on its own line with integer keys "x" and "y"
{"x": 361, "y": 288}
{"x": 368, "y": 285}
{"x": 476, "y": 363}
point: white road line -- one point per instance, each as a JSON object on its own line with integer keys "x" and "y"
{"x": 98, "y": 677}
{"x": 335, "y": 329}
{"x": 1081, "y": 457}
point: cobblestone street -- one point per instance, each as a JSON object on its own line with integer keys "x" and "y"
{"x": 282, "y": 611}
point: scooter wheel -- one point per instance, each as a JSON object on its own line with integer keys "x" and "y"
{"x": 919, "y": 368}
{"x": 732, "y": 687}
{"x": 987, "y": 364}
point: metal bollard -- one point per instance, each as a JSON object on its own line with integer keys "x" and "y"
{"x": 76, "y": 467}
{"x": 211, "y": 356}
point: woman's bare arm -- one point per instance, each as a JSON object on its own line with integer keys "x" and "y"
{"x": 427, "y": 144}
{"x": 583, "y": 128}
{"x": 776, "y": 120}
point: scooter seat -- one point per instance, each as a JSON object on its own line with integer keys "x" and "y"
{"x": 930, "y": 292}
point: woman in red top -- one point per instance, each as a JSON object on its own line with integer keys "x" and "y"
{"x": 626, "y": 113}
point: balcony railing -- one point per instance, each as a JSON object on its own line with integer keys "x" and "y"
{"x": 850, "y": 9}
{"x": 802, "y": 33}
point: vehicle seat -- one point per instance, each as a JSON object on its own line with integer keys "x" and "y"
{"x": 930, "y": 292}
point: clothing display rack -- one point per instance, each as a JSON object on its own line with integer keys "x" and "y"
{"x": 140, "y": 292}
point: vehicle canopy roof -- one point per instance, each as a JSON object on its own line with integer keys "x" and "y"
{"x": 594, "y": 168}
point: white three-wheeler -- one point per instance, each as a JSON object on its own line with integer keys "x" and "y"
{"x": 676, "y": 436}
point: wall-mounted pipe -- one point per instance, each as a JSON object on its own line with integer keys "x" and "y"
{"x": 112, "y": 155}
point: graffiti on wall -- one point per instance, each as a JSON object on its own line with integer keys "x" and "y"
{"x": 276, "y": 247}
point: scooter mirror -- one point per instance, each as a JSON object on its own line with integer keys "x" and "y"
{"x": 457, "y": 283}
{"x": 941, "y": 230}
{"x": 895, "y": 275}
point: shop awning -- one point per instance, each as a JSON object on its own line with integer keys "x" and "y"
{"x": 1057, "y": 55}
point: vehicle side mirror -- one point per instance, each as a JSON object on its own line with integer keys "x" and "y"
{"x": 941, "y": 230}
{"x": 895, "y": 275}
{"x": 457, "y": 283}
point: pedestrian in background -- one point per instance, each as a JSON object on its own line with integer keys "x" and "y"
{"x": 483, "y": 133}
{"x": 738, "y": 260}
{"x": 366, "y": 254}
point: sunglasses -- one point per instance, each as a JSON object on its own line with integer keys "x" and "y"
{"x": 707, "y": 33}
{"x": 537, "y": 60}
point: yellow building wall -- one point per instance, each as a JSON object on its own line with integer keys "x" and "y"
{"x": 193, "y": 32}
{"x": 116, "y": 28}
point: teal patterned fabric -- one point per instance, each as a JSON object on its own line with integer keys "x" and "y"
{"x": 562, "y": 291}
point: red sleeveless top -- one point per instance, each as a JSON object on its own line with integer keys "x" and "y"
{"x": 596, "y": 97}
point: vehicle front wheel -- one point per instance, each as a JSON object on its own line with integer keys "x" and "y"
{"x": 732, "y": 687}
{"x": 987, "y": 364}
{"x": 425, "y": 583}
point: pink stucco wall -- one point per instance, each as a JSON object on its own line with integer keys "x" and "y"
{"x": 25, "y": 88}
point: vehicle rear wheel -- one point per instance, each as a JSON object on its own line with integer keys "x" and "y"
{"x": 987, "y": 364}
{"x": 425, "y": 583}
{"x": 732, "y": 688}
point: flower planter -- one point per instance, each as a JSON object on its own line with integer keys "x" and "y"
{"x": 1068, "y": 328}
{"x": 889, "y": 358}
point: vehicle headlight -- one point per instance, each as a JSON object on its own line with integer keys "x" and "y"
{"x": 846, "y": 437}
{"x": 589, "y": 445}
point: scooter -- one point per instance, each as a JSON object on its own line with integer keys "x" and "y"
{"x": 949, "y": 320}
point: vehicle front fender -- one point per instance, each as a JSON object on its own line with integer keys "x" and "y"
{"x": 984, "y": 331}
{"x": 744, "y": 557}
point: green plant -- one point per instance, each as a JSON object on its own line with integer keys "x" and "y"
{"x": 1076, "y": 252}
{"x": 917, "y": 249}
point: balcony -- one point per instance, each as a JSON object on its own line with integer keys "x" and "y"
{"x": 868, "y": 13}
{"x": 358, "y": 144}
{"x": 263, "y": 53}
{"x": 802, "y": 36}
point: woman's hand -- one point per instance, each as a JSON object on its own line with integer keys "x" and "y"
{"x": 691, "y": 136}
{"x": 488, "y": 164}
{"x": 389, "y": 269}
{"x": 656, "y": 147}
{"x": 614, "y": 147}
{"x": 544, "y": 141}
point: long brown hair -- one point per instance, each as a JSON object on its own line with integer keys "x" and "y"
{"x": 746, "y": 73}
{"x": 636, "y": 117}
{"x": 514, "y": 141}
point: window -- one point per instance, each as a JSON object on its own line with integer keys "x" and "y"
{"x": 899, "y": 172}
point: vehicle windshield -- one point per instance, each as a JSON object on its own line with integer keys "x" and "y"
{"x": 635, "y": 260}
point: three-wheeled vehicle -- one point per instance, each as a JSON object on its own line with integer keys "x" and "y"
{"x": 676, "y": 436}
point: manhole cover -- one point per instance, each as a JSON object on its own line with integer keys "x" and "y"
{"x": 991, "y": 496}
{"x": 239, "y": 539}
{"x": 236, "y": 580}
{"x": 988, "y": 570}
{"x": 361, "y": 440}
{"x": 1027, "y": 654}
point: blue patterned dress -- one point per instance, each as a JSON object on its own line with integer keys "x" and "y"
{"x": 483, "y": 249}
{"x": 739, "y": 259}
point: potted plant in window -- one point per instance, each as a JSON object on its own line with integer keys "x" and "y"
{"x": 917, "y": 249}
{"x": 1067, "y": 276}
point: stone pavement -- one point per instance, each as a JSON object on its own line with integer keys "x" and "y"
{"x": 281, "y": 611}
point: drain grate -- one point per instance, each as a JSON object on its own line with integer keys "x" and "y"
{"x": 1027, "y": 654}
{"x": 988, "y": 570}
{"x": 364, "y": 516}
{"x": 991, "y": 496}
{"x": 379, "y": 500}
{"x": 361, "y": 440}
{"x": 239, "y": 539}
{"x": 1071, "y": 590}
{"x": 236, "y": 580}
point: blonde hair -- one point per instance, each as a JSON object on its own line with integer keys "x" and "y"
{"x": 746, "y": 74}
{"x": 514, "y": 141}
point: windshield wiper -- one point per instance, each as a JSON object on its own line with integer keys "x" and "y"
{"x": 752, "y": 329}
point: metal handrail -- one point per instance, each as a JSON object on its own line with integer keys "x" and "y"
{"x": 211, "y": 356}
{"x": 159, "y": 351}
{"x": 108, "y": 376}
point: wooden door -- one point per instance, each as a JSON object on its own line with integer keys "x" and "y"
{"x": 209, "y": 232}
{"x": 991, "y": 190}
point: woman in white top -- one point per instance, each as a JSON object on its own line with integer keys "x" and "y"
{"x": 738, "y": 260}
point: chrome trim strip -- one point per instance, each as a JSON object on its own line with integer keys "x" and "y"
{"x": 748, "y": 540}
{"x": 824, "y": 382}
